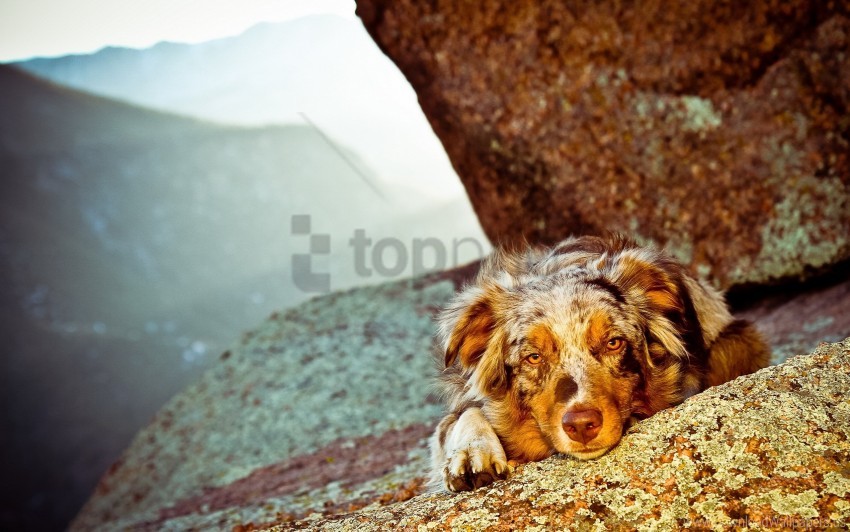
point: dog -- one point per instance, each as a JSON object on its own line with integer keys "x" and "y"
{"x": 562, "y": 349}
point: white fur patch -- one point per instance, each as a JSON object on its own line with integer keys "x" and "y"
{"x": 472, "y": 454}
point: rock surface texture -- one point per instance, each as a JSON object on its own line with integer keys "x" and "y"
{"x": 325, "y": 409}
{"x": 718, "y": 129}
{"x": 768, "y": 450}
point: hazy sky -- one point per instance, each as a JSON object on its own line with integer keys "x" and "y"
{"x": 31, "y": 28}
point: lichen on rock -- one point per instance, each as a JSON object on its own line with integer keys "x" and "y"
{"x": 720, "y": 130}
{"x": 768, "y": 450}
{"x": 336, "y": 389}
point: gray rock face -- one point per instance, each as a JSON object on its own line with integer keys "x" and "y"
{"x": 770, "y": 449}
{"x": 325, "y": 409}
{"x": 329, "y": 400}
{"x": 717, "y": 130}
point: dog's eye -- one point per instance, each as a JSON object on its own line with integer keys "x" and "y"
{"x": 615, "y": 344}
{"x": 534, "y": 358}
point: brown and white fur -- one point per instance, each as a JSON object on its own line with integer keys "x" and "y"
{"x": 560, "y": 350}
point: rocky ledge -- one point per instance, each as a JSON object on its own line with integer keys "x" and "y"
{"x": 767, "y": 450}
{"x": 324, "y": 410}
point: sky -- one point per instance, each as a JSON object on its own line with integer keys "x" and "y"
{"x": 48, "y": 28}
{"x": 55, "y": 28}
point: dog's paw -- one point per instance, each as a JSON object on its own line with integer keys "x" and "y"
{"x": 477, "y": 464}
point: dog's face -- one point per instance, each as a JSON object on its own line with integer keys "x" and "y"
{"x": 574, "y": 355}
{"x": 580, "y": 352}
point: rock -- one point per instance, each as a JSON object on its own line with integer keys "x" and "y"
{"x": 799, "y": 317}
{"x": 288, "y": 417}
{"x": 769, "y": 449}
{"x": 325, "y": 409}
{"x": 719, "y": 130}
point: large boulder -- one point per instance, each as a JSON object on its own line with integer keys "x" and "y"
{"x": 326, "y": 408}
{"x": 718, "y": 129}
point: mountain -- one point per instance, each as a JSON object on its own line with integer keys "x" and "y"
{"x": 171, "y": 201}
{"x": 134, "y": 247}
{"x": 322, "y": 69}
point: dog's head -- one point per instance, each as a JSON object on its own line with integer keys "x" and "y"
{"x": 580, "y": 340}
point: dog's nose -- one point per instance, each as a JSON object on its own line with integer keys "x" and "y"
{"x": 582, "y": 425}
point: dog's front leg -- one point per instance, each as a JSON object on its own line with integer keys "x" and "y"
{"x": 466, "y": 453}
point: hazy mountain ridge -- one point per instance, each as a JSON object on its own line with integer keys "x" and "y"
{"x": 187, "y": 77}
{"x": 156, "y": 193}
{"x": 134, "y": 246}
{"x": 40, "y": 114}
{"x": 325, "y": 68}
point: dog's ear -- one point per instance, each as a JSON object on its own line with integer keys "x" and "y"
{"x": 648, "y": 280}
{"x": 653, "y": 284}
{"x": 471, "y": 335}
{"x": 477, "y": 342}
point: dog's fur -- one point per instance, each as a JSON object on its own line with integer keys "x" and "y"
{"x": 560, "y": 350}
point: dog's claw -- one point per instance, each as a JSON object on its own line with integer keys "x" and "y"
{"x": 474, "y": 467}
{"x": 470, "y": 452}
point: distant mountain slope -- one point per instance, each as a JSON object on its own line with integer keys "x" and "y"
{"x": 324, "y": 67}
{"x": 134, "y": 247}
{"x": 113, "y": 189}
{"x": 38, "y": 116}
